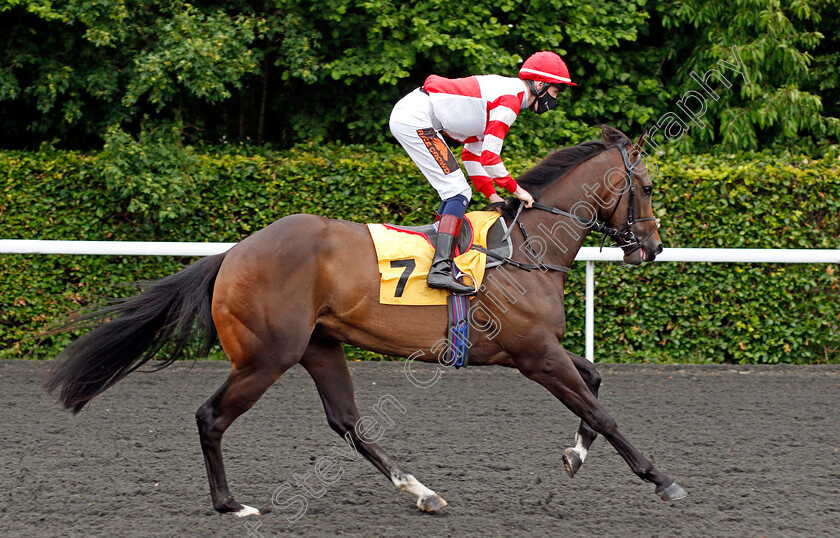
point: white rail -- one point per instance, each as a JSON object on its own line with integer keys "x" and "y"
{"x": 715, "y": 255}
{"x": 719, "y": 255}
{"x": 116, "y": 248}
{"x": 588, "y": 254}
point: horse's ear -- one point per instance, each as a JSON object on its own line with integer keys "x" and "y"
{"x": 640, "y": 143}
{"x": 611, "y": 135}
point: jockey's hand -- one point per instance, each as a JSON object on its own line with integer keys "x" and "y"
{"x": 495, "y": 199}
{"x": 523, "y": 195}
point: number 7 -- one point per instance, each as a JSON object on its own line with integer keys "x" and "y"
{"x": 409, "y": 265}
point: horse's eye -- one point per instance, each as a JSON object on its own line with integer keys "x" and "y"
{"x": 648, "y": 189}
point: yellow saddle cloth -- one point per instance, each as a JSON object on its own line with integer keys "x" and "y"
{"x": 405, "y": 259}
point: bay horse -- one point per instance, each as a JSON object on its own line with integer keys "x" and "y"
{"x": 294, "y": 291}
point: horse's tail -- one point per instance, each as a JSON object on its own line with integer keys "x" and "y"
{"x": 129, "y": 332}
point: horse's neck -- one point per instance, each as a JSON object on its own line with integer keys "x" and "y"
{"x": 562, "y": 236}
{"x": 557, "y": 239}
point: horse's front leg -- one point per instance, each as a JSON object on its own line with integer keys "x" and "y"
{"x": 556, "y": 371}
{"x": 573, "y": 457}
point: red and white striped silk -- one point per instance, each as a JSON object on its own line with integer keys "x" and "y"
{"x": 479, "y": 111}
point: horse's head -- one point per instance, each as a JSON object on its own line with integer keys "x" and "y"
{"x": 627, "y": 193}
{"x": 605, "y": 187}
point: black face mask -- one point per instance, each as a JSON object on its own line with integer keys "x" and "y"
{"x": 545, "y": 103}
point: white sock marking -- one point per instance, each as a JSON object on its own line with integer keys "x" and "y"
{"x": 579, "y": 447}
{"x": 247, "y": 511}
{"x": 411, "y": 485}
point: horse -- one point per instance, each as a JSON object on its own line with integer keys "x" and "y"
{"x": 296, "y": 290}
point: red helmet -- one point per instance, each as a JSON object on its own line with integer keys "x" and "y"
{"x": 547, "y": 67}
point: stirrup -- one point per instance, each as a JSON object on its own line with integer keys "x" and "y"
{"x": 453, "y": 286}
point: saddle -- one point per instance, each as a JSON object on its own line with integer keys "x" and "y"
{"x": 497, "y": 244}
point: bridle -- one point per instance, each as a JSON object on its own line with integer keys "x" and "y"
{"x": 624, "y": 237}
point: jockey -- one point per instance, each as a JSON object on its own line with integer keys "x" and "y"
{"x": 477, "y": 111}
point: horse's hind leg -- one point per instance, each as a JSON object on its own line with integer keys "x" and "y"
{"x": 258, "y": 361}
{"x": 239, "y": 392}
{"x": 574, "y": 457}
{"x": 325, "y": 362}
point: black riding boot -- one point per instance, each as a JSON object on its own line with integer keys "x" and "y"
{"x": 440, "y": 274}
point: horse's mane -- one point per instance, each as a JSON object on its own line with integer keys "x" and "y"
{"x": 560, "y": 161}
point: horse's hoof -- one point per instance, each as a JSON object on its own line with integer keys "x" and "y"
{"x": 247, "y": 511}
{"x": 572, "y": 461}
{"x": 673, "y": 492}
{"x": 230, "y": 506}
{"x": 431, "y": 503}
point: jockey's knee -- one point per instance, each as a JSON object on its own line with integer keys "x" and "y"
{"x": 456, "y": 206}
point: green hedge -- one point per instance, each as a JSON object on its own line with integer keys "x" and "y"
{"x": 668, "y": 312}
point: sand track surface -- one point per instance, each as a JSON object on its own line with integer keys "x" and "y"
{"x": 756, "y": 447}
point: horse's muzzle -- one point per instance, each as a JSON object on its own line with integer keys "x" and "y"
{"x": 639, "y": 253}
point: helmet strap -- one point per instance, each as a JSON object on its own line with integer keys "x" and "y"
{"x": 533, "y": 87}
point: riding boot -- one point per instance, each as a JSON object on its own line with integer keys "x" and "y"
{"x": 440, "y": 274}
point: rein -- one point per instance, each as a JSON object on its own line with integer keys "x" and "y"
{"x": 625, "y": 234}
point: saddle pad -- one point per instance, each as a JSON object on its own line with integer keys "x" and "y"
{"x": 405, "y": 257}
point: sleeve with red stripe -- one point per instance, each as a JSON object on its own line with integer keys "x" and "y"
{"x": 501, "y": 114}
{"x": 472, "y": 163}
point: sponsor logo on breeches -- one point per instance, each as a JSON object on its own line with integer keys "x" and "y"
{"x": 439, "y": 150}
